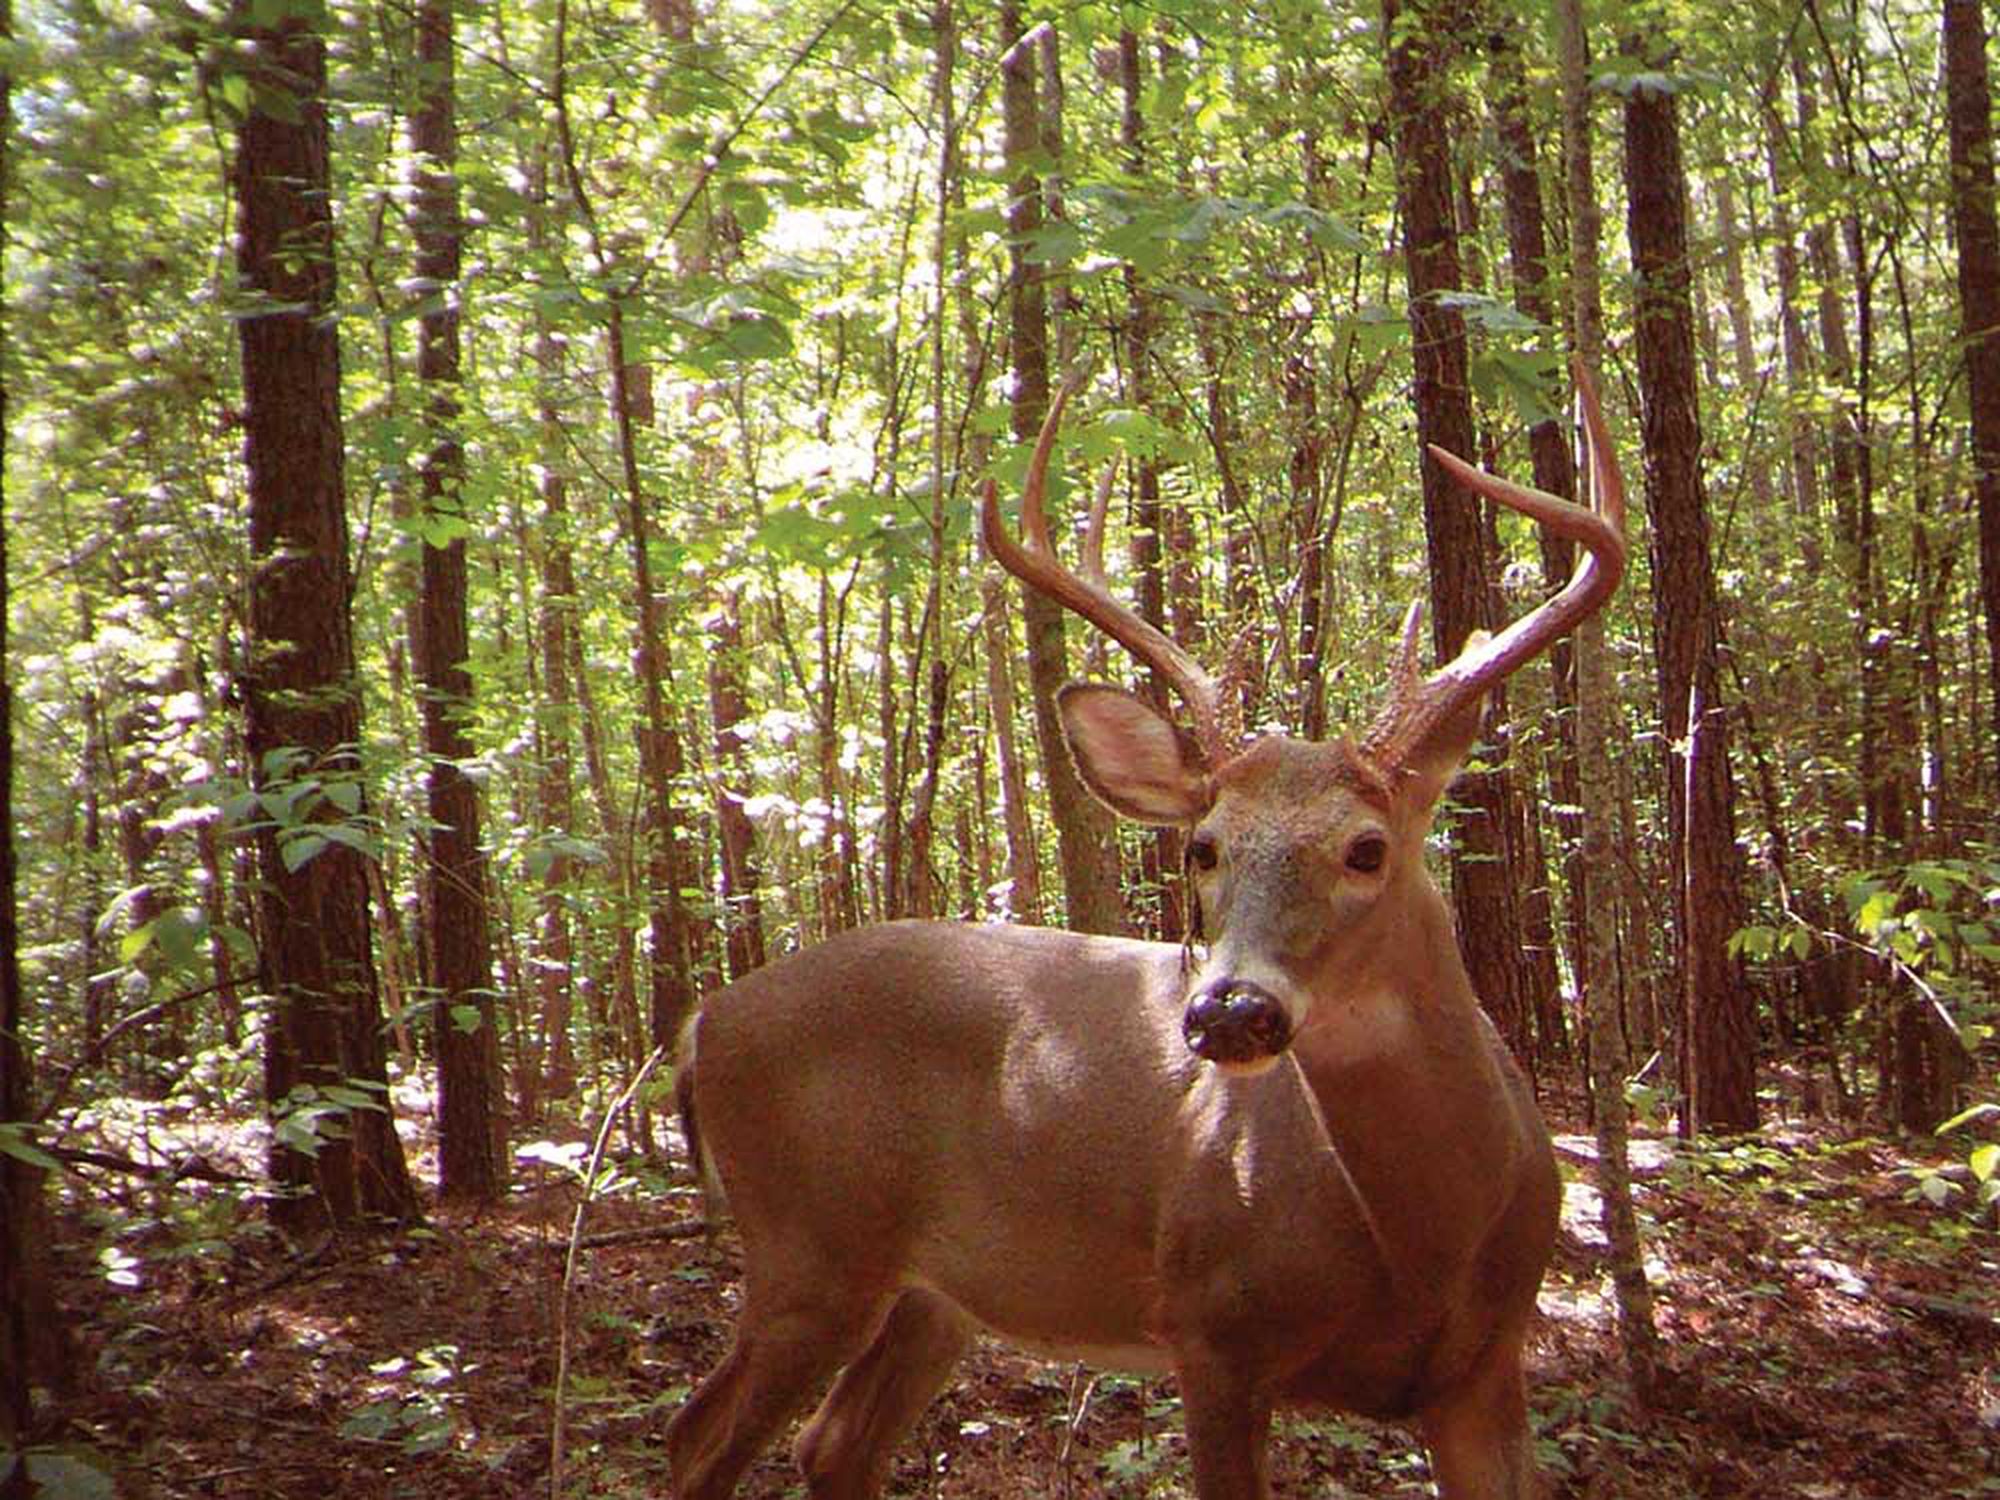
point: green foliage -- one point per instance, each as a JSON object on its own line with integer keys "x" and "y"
{"x": 416, "y": 1412}
{"x": 71, "y": 1471}
{"x": 311, "y": 1115}
{"x": 17, "y": 1139}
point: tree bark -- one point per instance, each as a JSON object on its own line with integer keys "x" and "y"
{"x": 729, "y": 707}
{"x": 555, "y": 947}
{"x": 28, "y": 1323}
{"x": 1151, "y": 544}
{"x": 1086, "y": 839}
{"x": 304, "y": 714}
{"x": 457, "y": 935}
{"x": 1969, "y": 103}
{"x": 1597, "y": 727}
{"x": 1461, "y": 588}
{"x": 1528, "y": 264}
{"x": 1719, "y": 1038}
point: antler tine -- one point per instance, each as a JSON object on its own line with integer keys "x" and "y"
{"x": 1033, "y": 561}
{"x": 1093, "y": 531}
{"x": 1607, "y": 484}
{"x": 1414, "y": 710}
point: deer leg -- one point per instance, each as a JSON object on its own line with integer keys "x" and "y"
{"x": 1228, "y": 1426}
{"x": 1478, "y": 1435}
{"x": 780, "y": 1357}
{"x": 845, "y": 1450}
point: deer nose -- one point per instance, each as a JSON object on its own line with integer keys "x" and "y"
{"x": 1234, "y": 1022}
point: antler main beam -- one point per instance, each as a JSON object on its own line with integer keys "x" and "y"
{"x": 1418, "y": 705}
{"x": 1088, "y": 595}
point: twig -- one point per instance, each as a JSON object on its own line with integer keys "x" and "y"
{"x": 172, "y": 1171}
{"x": 1079, "y": 1408}
{"x": 99, "y": 1049}
{"x": 557, "y": 1426}
{"x": 680, "y": 1229}
{"x": 292, "y": 1270}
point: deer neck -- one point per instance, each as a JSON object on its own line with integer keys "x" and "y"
{"x": 1414, "y": 1099}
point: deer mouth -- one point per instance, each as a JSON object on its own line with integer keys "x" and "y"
{"x": 1236, "y": 1024}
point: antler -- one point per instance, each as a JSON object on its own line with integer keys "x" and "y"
{"x": 1418, "y": 705}
{"x": 1033, "y": 561}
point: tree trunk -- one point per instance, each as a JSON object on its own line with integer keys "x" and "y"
{"x": 932, "y": 630}
{"x": 471, "y": 1128}
{"x": 1086, "y": 839}
{"x": 1161, "y": 860}
{"x": 1970, "y": 105}
{"x": 620, "y": 837}
{"x": 555, "y": 950}
{"x": 1528, "y": 263}
{"x": 28, "y": 1324}
{"x": 1719, "y": 1037}
{"x": 1597, "y": 788}
{"x": 304, "y": 717}
{"x": 729, "y": 706}
{"x": 1461, "y": 590}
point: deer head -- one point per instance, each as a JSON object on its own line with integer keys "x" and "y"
{"x": 1306, "y": 858}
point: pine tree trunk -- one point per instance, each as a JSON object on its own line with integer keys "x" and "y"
{"x": 1086, "y": 839}
{"x": 1461, "y": 590}
{"x": 27, "y": 1323}
{"x": 324, "y": 1036}
{"x": 471, "y": 1128}
{"x": 1719, "y": 1031}
{"x": 1528, "y": 264}
{"x": 1970, "y": 105}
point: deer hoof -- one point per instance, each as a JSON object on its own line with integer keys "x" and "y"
{"x": 1236, "y": 1024}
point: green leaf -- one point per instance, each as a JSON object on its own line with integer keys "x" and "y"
{"x": 1375, "y": 329}
{"x": 299, "y": 850}
{"x": 1526, "y": 378}
{"x": 1055, "y": 243}
{"x": 1983, "y": 1160}
{"x": 1139, "y": 244}
{"x": 1753, "y": 942}
{"x": 15, "y": 1142}
{"x": 436, "y": 529}
{"x": 71, "y": 1474}
{"x": 467, "y": 1019}
{"x": 1981, "y": 1111}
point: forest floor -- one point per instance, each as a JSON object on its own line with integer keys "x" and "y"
{"x": 1826, "y": 1335}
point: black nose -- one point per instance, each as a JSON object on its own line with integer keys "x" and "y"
{"x": 1233, "y": 1021}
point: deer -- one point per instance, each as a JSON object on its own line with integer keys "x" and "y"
{"x": 1297, "y": 1167}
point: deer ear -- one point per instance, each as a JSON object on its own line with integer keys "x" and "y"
{"x": 1134, "y": 760}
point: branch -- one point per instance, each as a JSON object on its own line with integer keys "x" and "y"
{"x": 195, "y": 1167}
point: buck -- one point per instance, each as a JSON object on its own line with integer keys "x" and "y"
{"x": 1298, "y": 1169}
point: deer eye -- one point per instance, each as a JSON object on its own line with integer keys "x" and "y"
{"x": 1366, "y": 853}
{"x": 1201, "y": 852}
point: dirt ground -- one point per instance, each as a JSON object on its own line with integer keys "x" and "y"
{"x": 1827, "y": 1337}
